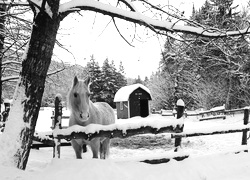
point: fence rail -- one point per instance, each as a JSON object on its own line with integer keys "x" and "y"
{"x": 177, "y": 135}
{"x": 202, "y": 114}
{"x": 116, "y": 133}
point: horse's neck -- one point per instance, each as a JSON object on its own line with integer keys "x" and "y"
{"x": 92, "y": 107}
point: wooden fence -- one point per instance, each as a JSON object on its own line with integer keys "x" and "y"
{"x": 59, "y": 134}
{"x": 204, "y": 115}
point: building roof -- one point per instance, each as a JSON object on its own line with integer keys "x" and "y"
{"x": 124, "y": 93}
{"x": 180, "y": 102}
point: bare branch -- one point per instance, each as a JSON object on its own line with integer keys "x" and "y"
{"x": 121, "y": 34}
{"x": 56, "y": 71}
{"x": 62, "y": 46}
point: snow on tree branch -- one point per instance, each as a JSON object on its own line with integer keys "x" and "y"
{"x": 136, "y": 17}
{"x": 15, "y": 78}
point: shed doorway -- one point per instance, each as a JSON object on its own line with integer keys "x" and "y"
{"x": 135, "y": 109}
{"x": 144, "y": 110}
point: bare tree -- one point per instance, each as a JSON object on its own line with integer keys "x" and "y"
{"x": 47, "y": 17}
{"x": 15, "y": 34}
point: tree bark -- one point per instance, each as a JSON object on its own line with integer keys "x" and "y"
{"x": 29, "y": 91}
{"x": 2, "y": 33}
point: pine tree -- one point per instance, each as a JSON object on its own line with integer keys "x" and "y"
{"x": 109, "y": 82}
{"x": 138, "y": 80}
{"x": 121, "y": 80}
{"x": 95, "y": 73}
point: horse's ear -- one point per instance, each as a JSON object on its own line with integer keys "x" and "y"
{"x": 88, "y": 81}
{"x": 75, "y": 81}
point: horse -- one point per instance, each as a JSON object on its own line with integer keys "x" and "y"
{"x": 84, "y": 112}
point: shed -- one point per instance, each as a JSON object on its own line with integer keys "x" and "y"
{"x": 132, "y": 100}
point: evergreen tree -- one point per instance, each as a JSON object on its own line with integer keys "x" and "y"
{"x": 221, "y": 60}
{"x": 121, "y": 80}
{"x": 109, "y": 82}
{"x": 138, "y": 80}
{"x": 95, "y": 73}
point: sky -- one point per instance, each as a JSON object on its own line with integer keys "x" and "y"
{"x": 92, "y": 34}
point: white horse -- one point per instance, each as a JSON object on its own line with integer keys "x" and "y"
{"x": 85, "y": 112}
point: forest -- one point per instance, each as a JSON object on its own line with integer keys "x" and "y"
{"x": 206, "y": 73}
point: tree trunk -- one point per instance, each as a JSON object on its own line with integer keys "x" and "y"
{"x": 228, "y": 97}
{"x": 27, "y": 98}
{"x": 2, "y": 34}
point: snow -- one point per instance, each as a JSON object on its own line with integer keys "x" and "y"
{"x": 124, "y": 93}
{"x": 210, "y": 157}
{"x": 135, "y": 16}
{"x": 10, "y": 142}
{"x": 180, "y": 102}
{"x": 218, "y": 108}
{"x": 153, "y": 121}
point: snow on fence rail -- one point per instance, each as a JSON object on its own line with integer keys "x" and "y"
{"x": 175, "y": 128}
{"x": 118, "y": 130}
{"x": 214, "y": 113}
{"x": 212, "y": 131}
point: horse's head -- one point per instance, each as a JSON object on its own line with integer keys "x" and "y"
{"x": 79, "y": 99}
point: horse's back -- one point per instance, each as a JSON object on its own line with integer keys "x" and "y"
{"x": 105, "y": 112}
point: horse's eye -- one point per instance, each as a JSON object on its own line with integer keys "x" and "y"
{"x": 75, "y": 95}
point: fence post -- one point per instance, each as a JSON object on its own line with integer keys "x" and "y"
{"x": 180, "y": 107}
{"x": 5, "y": 114}
{"x": 57, "y": 124}
{"x": 245, "y": 122}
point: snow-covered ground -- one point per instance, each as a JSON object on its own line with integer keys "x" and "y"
{"x": 211, "y": 157}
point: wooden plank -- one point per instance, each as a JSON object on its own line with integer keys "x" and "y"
{"x": 118, "y": 133}
{"x": 48, "y": 141}
{"x": 233, "y": 111}
{"x": 164, "y": 160}
{"x": 63, "y": 117}
{"x": 212, "y": 112}
{"x": 212, "y": 117}
{"x": 210, "y": 133}
{"x": 37, "y": 145}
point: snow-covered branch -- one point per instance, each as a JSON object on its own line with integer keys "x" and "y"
{"x": 9, "y": 78}
{"x": 56, "y": 71}
{"x": 139, "y": 18}
{"x": 11, "y": 62}
{"x": 14, "y": 78}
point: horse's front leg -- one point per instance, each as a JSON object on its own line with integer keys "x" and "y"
{"x": 104, "y": 148}
{"x": 95, "y": 147}
{"x": 77, "y": 147}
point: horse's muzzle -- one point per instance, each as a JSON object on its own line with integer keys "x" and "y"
{"x": 84, "y": 118}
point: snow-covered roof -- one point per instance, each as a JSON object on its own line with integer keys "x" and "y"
{"x": 124, "y": 93}
{"x": 180, "y": 102}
